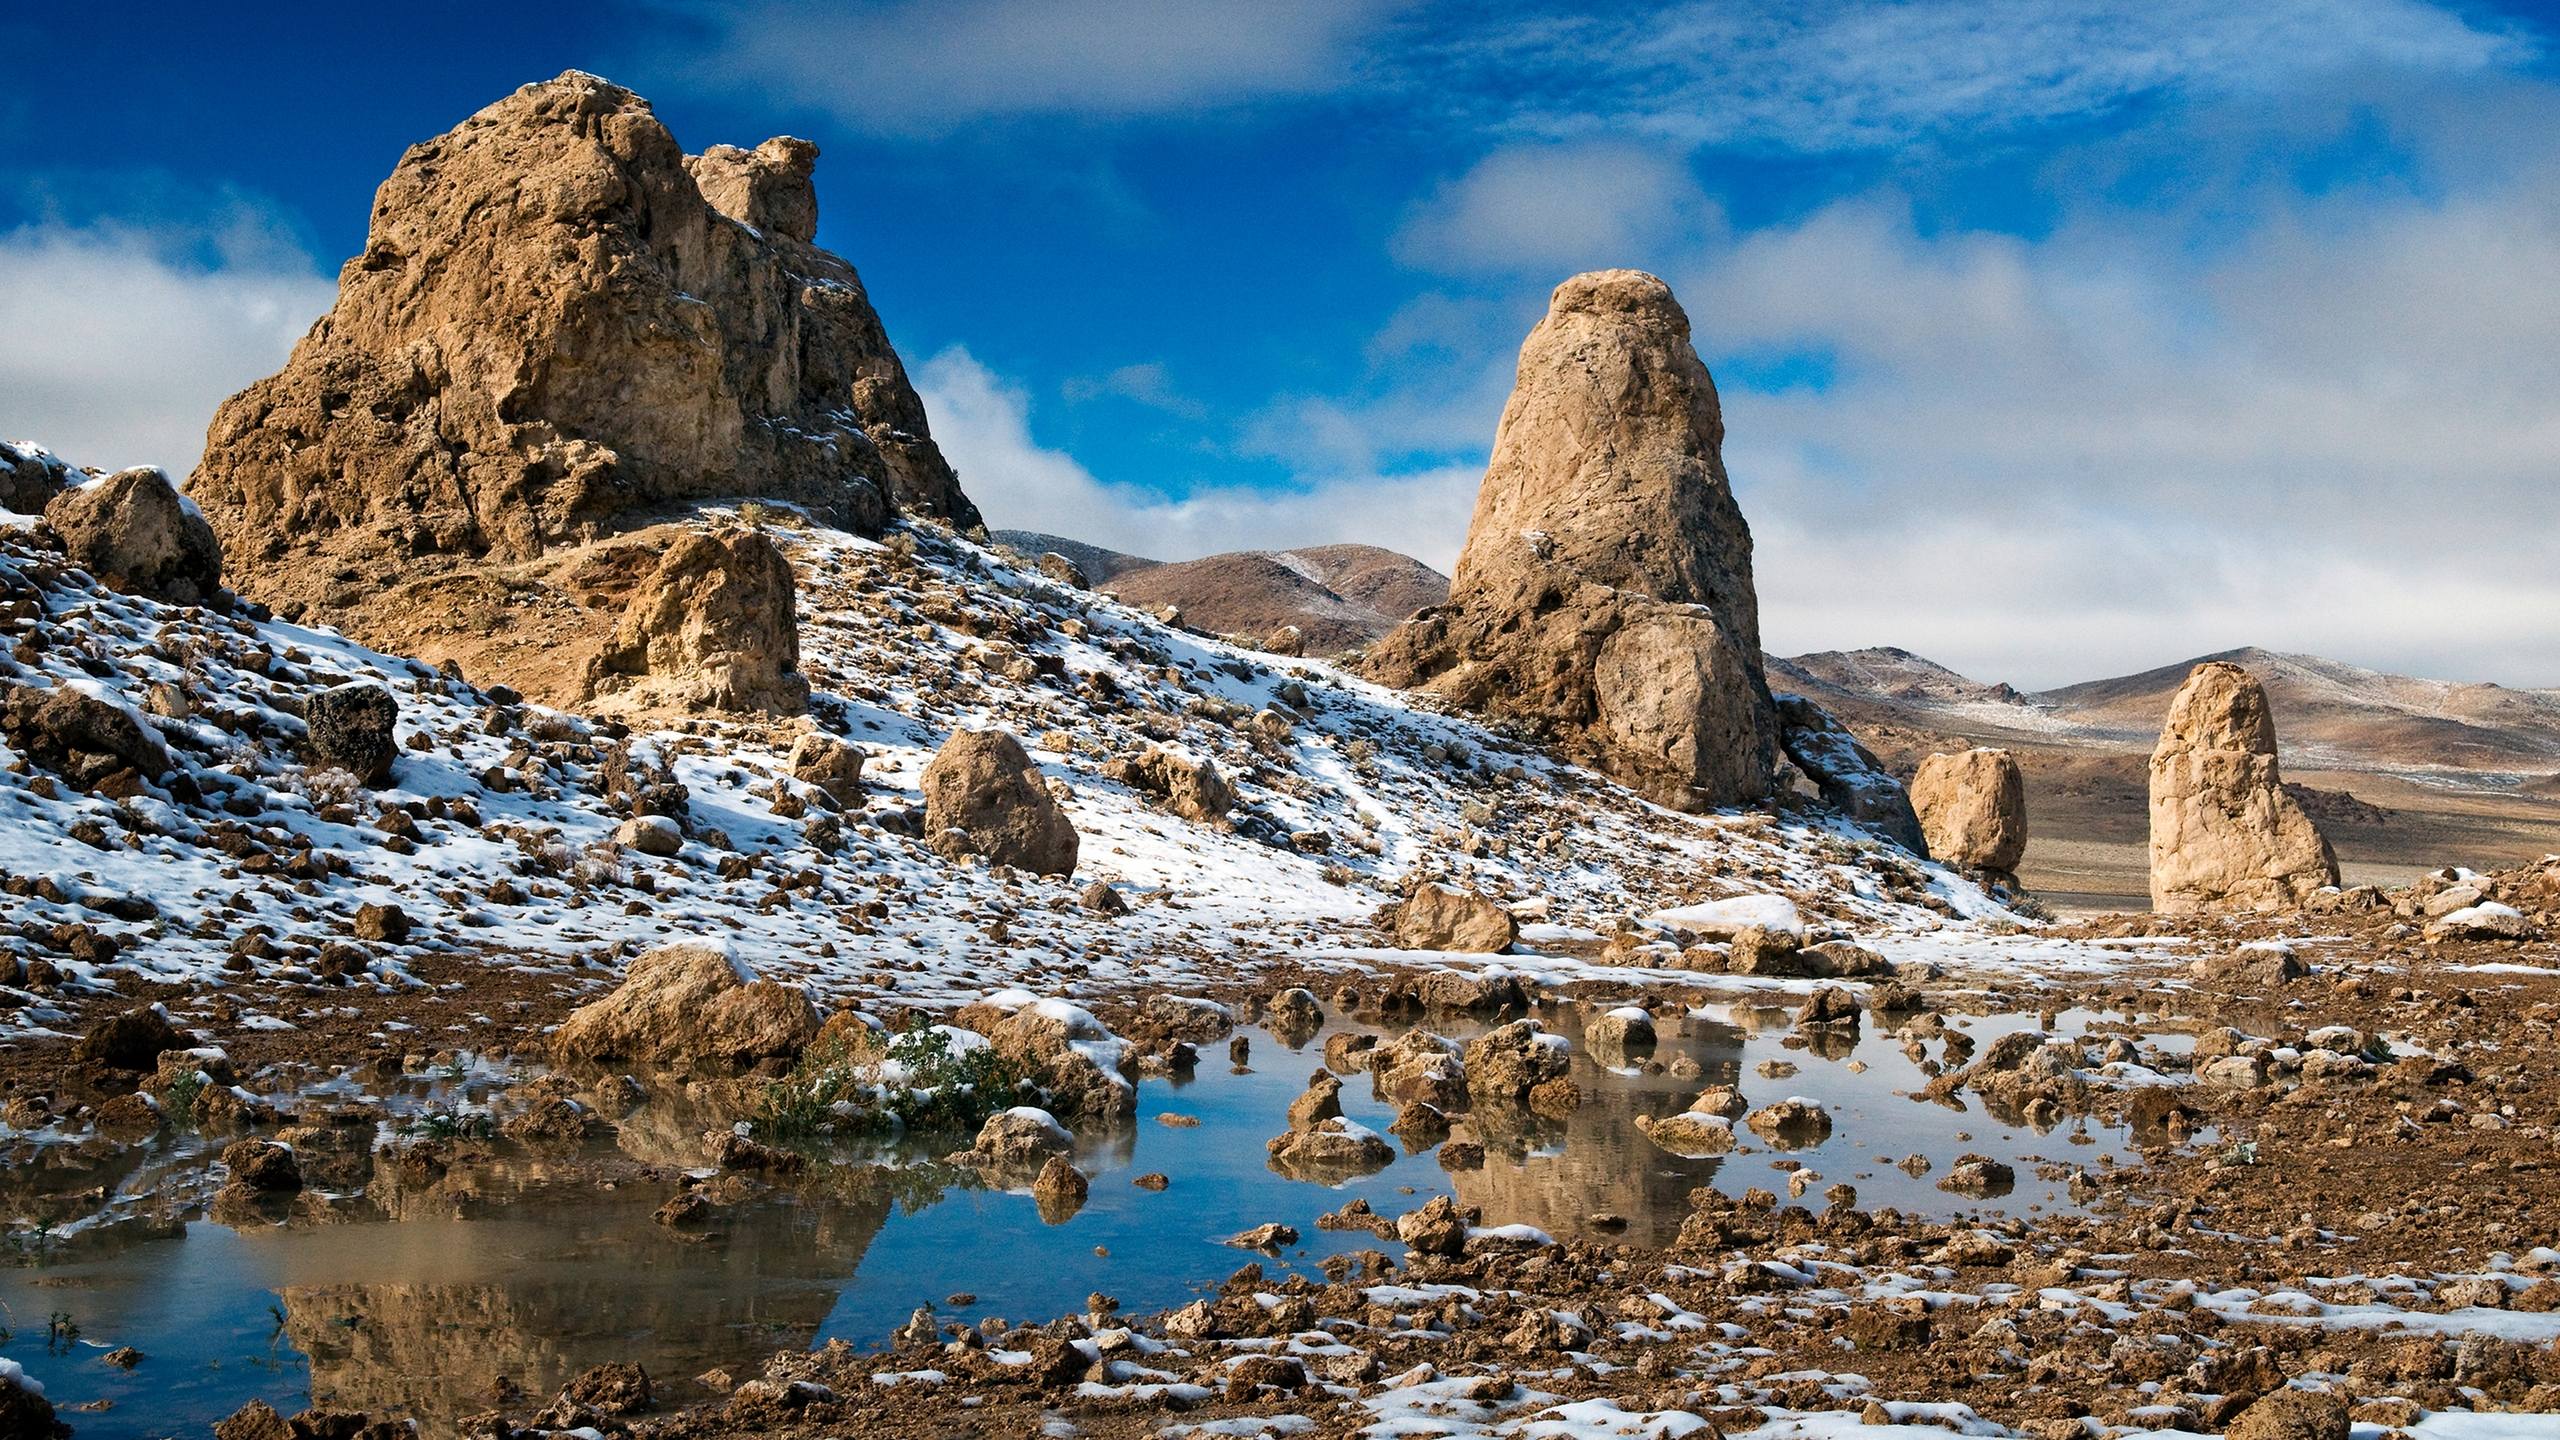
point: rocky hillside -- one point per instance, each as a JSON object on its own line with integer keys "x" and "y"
{"x": 191, "y": 816}
{"x": 1339, "y": 597}
{"x": 2343, "y": 717}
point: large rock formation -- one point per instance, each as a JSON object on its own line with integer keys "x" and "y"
{"x": 1604, "y": 596}
{"x": 1973, "y": 808}
{"x": 559, "y": 320}
{"x": 2224, "y": 834}
{"x": 712, "y": 628}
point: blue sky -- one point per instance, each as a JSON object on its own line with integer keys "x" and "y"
{"x": 2056, "y": 339}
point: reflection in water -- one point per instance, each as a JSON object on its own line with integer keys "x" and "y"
{"x": 440, "y": 1318}
{"x": 1557, "y": 1174}
{"x": 440, "y": 1279}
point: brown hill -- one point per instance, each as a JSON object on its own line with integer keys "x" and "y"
{"x": 1097, "y": 563}
{"x": 1339, "y": 596}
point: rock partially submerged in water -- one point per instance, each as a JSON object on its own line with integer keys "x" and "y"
{"x": 1507, "y": 1066}
{"x": 691, "y": 1004}
{"x": 1333, "y": 1150}
{"x": 1087, "y": 1073}
{"x": 1689, "y": 1133}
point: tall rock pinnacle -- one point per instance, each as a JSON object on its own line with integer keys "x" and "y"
{"x": 1604, "y": 595}
{"x": 560, "y": 321}
{"x": 2225, "y": 834}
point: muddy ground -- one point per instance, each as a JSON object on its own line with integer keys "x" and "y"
{"x": 2375, "y": 1219}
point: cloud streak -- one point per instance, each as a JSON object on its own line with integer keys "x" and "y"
{"x": 1865, "y": 74}
{"x": 926, "y": 67}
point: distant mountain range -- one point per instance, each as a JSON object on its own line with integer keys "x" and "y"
{"x": 1339, "y": 596}
{"x": 2329, "y": 715}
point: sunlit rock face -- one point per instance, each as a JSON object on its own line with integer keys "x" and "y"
{"x": 1605, "y": 595}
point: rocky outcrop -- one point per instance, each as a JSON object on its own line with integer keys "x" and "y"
{"x": 2224, "y": 833}
{"x": 983, "y": 796}
{"x": 1188, "y": 785}
{"x": 1604, "y": 596}
{"x": 78, "y": 733}
{"x": 1973, "y": 809}
{"x": 1846, "y": 773}
{"x": 561, "y": 320}
{"x": 689, "y": 1004}
{"x": 134, "y": 531}
{"x": 714, "y": 627}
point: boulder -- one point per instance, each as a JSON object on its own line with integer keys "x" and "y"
{"x": 1331, "y": 1151}
{"x": 650, "y": 835}
{"x": 30, "y": 476}
{"x": 1087, "y": 1072}
{"x": 1188, "y": 785}
{"x": 2225, "y": 835}
{"x": 1060, "y": 1191}
{"x": 1506, "y": 1063}
{"x": 983, "y": 796}
{"x": 353, "y": 728}
{"x": 24, "y": 1413}
{"x": 1604, "y": 596}
{"x": 832, "y": 765}
{"x": 135, "y": 532}
{"x": 714, "y": 627}
{"x": 2286, "y": 1413}
{"x": 1437, "y": 1228}
{"x": 1689, "y": 1134}
{"x": 559, "y": 320}
{"x": 1848, "y": 775}
{"x": 1024, "y": 1137}
{"x": 1973, "y": 811}
{"x": 129, "y": 1040}
{"x": 1418, "y": 1066}
{"x": 80, "y": 732}
{"x": 689, "y": 1004}
{"x": 1439, "y": 917}
{"x": 262, "y": 1165}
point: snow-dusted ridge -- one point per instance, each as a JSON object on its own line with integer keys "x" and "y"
{"x": 1347, "y": 789}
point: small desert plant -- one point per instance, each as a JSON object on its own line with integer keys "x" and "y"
{"x": 914, "y": 1081}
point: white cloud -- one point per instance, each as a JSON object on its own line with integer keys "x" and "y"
{"x": 116, "y": 345}
{"x": 983, "y": 424}
{"x": 1556, "y": 210}
{"x": 1855, "y": 74}
{"x": 929, "y": 66}
{"x": 1148, "y": 384}
{"x": 2048, "y": 461}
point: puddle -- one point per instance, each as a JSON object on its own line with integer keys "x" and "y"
{"x": 433, "y": 1297}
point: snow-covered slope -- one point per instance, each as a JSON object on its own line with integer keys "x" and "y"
{"x": 245, "y": 868}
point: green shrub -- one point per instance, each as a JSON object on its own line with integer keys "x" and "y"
{"x": 842, "y": 1087}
